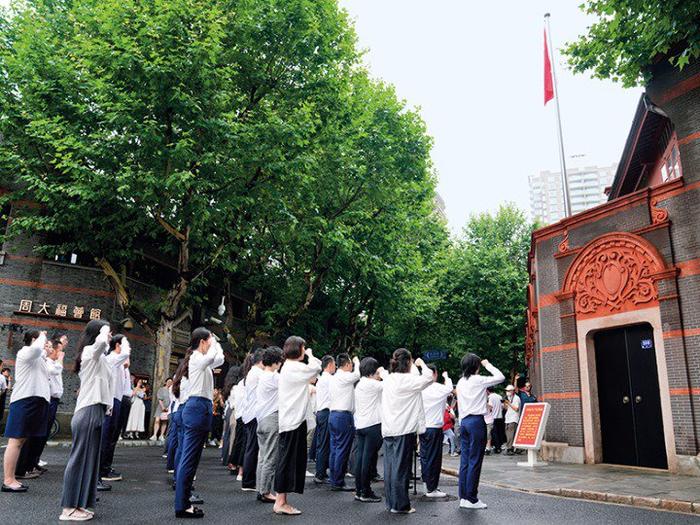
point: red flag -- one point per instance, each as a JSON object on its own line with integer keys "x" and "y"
{"x": 548, "y": 83}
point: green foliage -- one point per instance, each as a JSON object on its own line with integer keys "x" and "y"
{"x": 630, "y": 35}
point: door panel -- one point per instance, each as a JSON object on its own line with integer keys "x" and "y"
{"x": 616, "y": 414}
{"x": 644, "y": 379}
{"x": 628, "y": 397}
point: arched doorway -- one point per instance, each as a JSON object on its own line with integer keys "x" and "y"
{"x": 629, "y": 401}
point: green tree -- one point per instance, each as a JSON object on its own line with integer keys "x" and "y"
{"x": 163, "y": 124}
{"x": 630, "y": 35}
{"x": 483, "y": 288}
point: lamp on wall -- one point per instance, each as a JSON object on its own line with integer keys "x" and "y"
{"x": 127, "y": 324}
{"x": 222, "y": 307}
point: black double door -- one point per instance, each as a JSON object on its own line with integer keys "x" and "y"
{"x": 628, "y": 396}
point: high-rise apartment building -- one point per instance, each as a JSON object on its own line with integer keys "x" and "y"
{"x": 586, "y": 189}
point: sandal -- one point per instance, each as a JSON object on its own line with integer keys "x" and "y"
{"x": 75, "y": 515}
{"x": 287, "y": 510}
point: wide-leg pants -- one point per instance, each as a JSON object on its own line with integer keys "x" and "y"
{"x": 196, "y": 420}
{"x": 268, "y": 452}
{"x": 431, "y": 457}
{"x": 83, "y": 468}
{"x": 290, "y": 474}
{"x": 398, "y": 459}
{"x": 250, "y": 457}
{"x": 473, "y": 438}
{"x": 174, "y": 438}
{"x": 342, "y": 429}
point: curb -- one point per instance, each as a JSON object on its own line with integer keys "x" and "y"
{"x": 673, "y": 505}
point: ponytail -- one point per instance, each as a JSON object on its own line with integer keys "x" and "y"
{"x": 400, "y": 362}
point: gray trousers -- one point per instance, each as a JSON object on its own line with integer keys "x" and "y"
{"x": 398, "y": 467}
{"x": 510, "y": 434}
{"x": 268, "y": 451}
{"x": 83, "y": 468}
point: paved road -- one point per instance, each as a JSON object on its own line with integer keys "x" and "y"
{"x": 144, "y": 497}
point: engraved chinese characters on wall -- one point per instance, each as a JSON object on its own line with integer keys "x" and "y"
{"x": 61, "y": 310}
{"x": 614, "y": 273}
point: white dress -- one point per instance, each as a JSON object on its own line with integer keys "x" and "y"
{"x": 137, "y": 415}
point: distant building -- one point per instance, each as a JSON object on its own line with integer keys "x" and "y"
{"x": 439, "y": 206}
{"x": 586, "y": 189}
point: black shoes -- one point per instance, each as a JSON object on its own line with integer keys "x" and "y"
{"x": 112, "y": 475}
{"x": 320, "y": 481}
{"x": 344, "y": 488}
{"x": 103, "y": 487}
{"x": 21, "y": 488}
{"x": 196, "y": 513}
{"x": 371, "y": 498}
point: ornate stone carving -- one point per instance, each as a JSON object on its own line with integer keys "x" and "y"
{"x": 614, "y": 273}
{"x": 564, "y": 244}
{"x": 658, "y": 214}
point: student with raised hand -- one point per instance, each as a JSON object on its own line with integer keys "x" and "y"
{"x": 342, "y": 428}
{"x": 434, "y": 401}
{"x": 299, "y": 368}
{"x": 267, "y": 410}
{"x": 29, "y": 405}
{"x": 95, "y": 369}
{"x": 111, "y": 426}
{"x": 323, "y": 410}
{"x": 402, "y": 418}
{"x": 250, "y": 422}
{"x": 368, "y": 422}
{"x": 203, "y": 355}
{"x": 472, "y": 403}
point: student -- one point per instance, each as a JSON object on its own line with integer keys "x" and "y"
{"x": 182, "y": 393}
{"x": 402, "y": 418}
{"x": 512, "y": 404}
{"x": 54, "y": 364}
{"x": 232, "y": 377}
{"x": 472, "y": 402}
{"x": 250, "y": 456}
{"x": 5, "y": 383}
{"x": 238, "y": 449}
{"x": 340, "y": 421}
{"x": 203, "y": 355}
{"x": 110, "y": 427}
{"x": 95, "y": 369}
{"x": 495, "y": 407}
{"x": 323, "y": 409}
{"x": 368, "y": 424}
{"x": 434, "y": 401}
{"x": 267, "y": 413}
{"x": 175, "y": 422}
{"x": 127, "y": 389}
{"x": 299, "y": 368}
{"x": 29, "y": 405}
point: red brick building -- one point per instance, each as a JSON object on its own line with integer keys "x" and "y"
{"x": 613, "y": 330}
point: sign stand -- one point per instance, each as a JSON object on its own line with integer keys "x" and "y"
{"x": 531, "y": 460}
{"x": 530, "y": 432}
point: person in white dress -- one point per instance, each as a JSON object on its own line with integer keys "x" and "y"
{"x": 137, "y": 415}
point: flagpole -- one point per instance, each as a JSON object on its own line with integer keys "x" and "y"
{"x": 562, "y": 159}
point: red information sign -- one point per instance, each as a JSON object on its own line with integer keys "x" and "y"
{"x": 532, "y": 424}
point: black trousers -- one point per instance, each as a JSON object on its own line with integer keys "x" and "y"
{"x": 290, "y": 474}
{"x": 124, "y": 413}
{"x": 369, "y": 441}
{"x": 323, "y": 443}
{"x": 3, "y": 397}
{"x": 53, "y": 408}
{"x": 250, "y": 457}
{"x": 431, "y": 457}
{"x": 238, "y": 449}
{"x": 110, "y": 436}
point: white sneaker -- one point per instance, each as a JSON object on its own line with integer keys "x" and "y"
{"x": 239, "y": 477}
{"x": 437, "y": 493}
{"x": 152, "y": 438}
{"x": 309, "y": 474}
{"x": 42, "y": 463}
{"x": 466, "y": 504}
{"x": 409, "y": 511}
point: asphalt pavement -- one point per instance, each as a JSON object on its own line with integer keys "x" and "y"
{"x": 145, "y": 497}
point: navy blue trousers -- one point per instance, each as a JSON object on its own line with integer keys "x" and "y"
{"x": 174, "y": 436}
{"x": 342, "y": 428}
{"x": 196, "y": 420}
{"x": 369, "y": 441}
{"x": 398, "y": 467}
{"x": 110, "y": 435}
{"x": 473, "y": 439}
{"x": 431, "y": 457}
{"x": 323, "y": 443}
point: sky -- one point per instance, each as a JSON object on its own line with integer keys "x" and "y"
{"x": 475, "y": 71}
